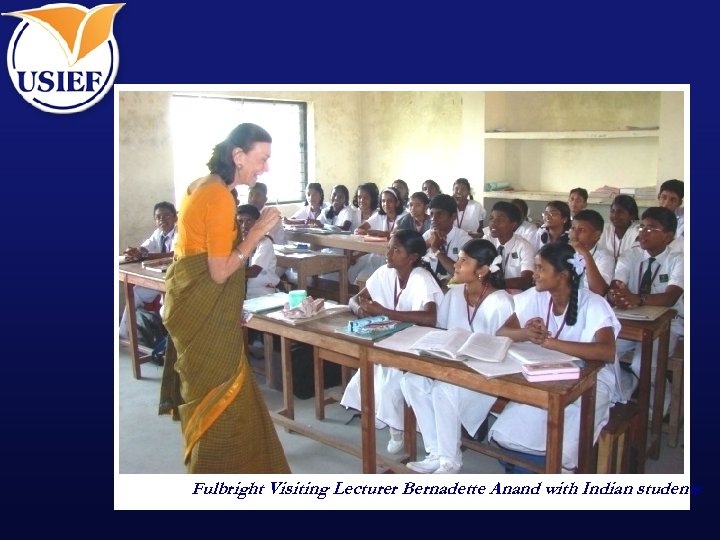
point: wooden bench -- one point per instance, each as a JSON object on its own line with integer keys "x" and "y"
{"x": 675, "y": 366}
{"x": 617, "y": 439}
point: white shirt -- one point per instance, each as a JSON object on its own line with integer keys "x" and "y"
{"x": 379, "y": 222}
{"x": 304, "y": 212}
{"x": 518, "y": 257}
{"x": 527, "y": 230}
{"x": 420, "y": 289}
{"x": 605, "y": 263}
{"x": 616, "y": 247}
{"x": 667, "y": 270}
{"x": 491, "y": 315}
{"x": 154, "y": 243}
{"x": 470, "y": 218}
{"x": 267, "y": 279}
{"x": 454, "y": 242}
{"x": 346, "y": 214}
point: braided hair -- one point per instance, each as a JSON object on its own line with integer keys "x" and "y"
{"x": 557, "y": 254}
{"x": 413, "y": 242}
{"x": 484, "y": 253}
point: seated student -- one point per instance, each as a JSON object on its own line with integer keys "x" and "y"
{"x": 404, "y": 290}
{"x": 380, "y": 224}
{"x": 479, "y": 305}
{"x": 159, "y": 245}
{"x": 527, "y": 229}
{"x": 340, "y": 213}
{"x": 261, "y": 275}
{"x": 445, "y": 238}
{"x": 404, "y": 191}
{"x": 556, "y": 224}
{"x": 651, "y": 274}
{"x": 257, "y": 196}
{"x": 417, "y": 219}
{"x": 560, "y": 315}
{"x": 517, "y": 255}
{"x": 577, "y": 201}
{"x": 620, "y": 234}
{"x": 470, "y": 213}
{"x": 365, "y": 201}
{"x": 585, "y": 232}
{"x": 314, "y": 204}
{"x": 431, "y": 189}
{"x": 671, "y": 197}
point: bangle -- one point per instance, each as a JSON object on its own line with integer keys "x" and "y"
{"x": 241, "y": 256}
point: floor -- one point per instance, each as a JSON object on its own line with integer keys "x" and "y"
{"x": 151, "y": 444}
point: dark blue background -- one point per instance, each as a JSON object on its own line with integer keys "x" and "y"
{"x": 58, "y": 180}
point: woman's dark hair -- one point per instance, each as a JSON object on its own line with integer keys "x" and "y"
{"x": 372, "y": 189}
{"x": 434, "y": 184}
{"x": 580, "y": 191}
{"x": 421, "y": 196}
{"x": 522, "y": 205}
{"x": 558, "y": 254}
{"x": 413, "y": 242}
{"x": 663, "y": 216}
{"x": 248, "y": 210}
{"x": 564, "y": 212}
{"x": 330, "y": 212}
{"x": 399, "y": 204}
{"x": 317, "y": 187}
{"x": 243, "y": 136}
{"x": 164, "y": 205}
{"x": 484, "y": 253}
{"x": 629, "y": 204}
{"x": 465, "y": 182}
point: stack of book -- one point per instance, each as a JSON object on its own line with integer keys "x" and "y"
{"x": 551, "y": 372}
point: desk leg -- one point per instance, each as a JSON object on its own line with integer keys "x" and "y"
{"x": 553, "y": 444}
{"x": 269, "y": 352}
{"x": 410, "y": 434}
{"x": 132, "y": 327}
{"x": 319, "y": 384}
{"x": 587, "y": 429}
{"x": 286, "y": 362}
{"x": 644, "y": 396}
{"x": 344, "y": 299}
{"x": 659, "y": 397}
{"x": 367, "y": 416}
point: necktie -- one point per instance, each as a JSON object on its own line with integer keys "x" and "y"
{"x": 646, "y": 281}
{"x": 501, "y": 252}
{"x": 163, "y": 247}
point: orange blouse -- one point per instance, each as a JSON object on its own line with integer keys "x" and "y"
{"x": 206, "y": 222}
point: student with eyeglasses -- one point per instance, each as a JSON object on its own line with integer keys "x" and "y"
{"x": 159, "y": 245}
{"x": 650, "y": 274}
{"x": 556, "y": 224}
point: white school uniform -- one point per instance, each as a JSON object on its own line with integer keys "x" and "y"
{"x": 441, "y": 408}
{"x": 538, "y": 242}
{"x": 524, "y": 427}
{"x": 368, "y": 263}
{"x": 518, "y": 257}
{"x": 469, "y": 219}
{"x": 454, "y": 242}
{"x": 605, "y": 263}
{"x": 527, "y": 230}
{"x": 616, "y": 247}
{"x": 667, "y": 270}
{"x": 348, "y": 213}
{"x": 304, "y": 212}
{"x": 266, "y": 281}
{"x": 420, "y": 290}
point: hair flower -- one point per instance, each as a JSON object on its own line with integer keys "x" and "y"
{"x": 495, "y": 265}
{"x": 578, "y": 263}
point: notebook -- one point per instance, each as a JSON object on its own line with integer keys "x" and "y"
{"x": 372, "y": 328}
{"x": 529, "y": 353}
{"x": 267, "y": 302}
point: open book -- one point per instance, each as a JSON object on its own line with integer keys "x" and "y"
{"x": 529, "y": 353}
{"x": 460, "y": 344}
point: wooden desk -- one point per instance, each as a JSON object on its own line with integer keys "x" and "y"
{"x": 314, "y": 263}
{"x": 645, "y": 333}
{"x": 132, "y": 274}
{"x": 348, "y": 242}
{"x": 552, "y": 396}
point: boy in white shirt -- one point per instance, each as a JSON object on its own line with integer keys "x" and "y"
{"x": 671, "y": 197}
{"x": 585, "y": 231}
{"x": 261, "y": 275}
{"x": 651, "y": 274}
{"x": 517, "y": 255}
{"x": 444, "y": 240}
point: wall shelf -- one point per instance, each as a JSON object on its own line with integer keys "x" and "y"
{"x": 542, "y": 135}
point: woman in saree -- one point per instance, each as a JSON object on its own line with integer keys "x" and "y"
{"x": 208, "y": 380}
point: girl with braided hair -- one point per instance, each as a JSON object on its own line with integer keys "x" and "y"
{"x": 559, "y": 315}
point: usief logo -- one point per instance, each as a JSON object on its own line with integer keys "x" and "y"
{"x": 63, "y": 58}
